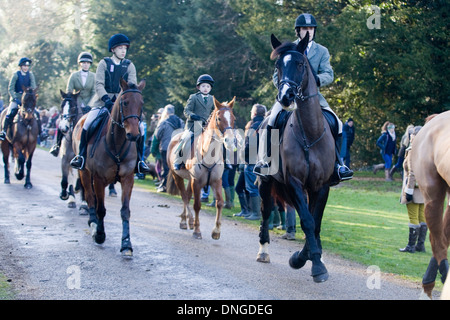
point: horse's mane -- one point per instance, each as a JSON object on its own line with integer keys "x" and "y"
{"x": 29, "y": 96}
{"x": 286, "y": 46}
{"x": 430, "y": 117}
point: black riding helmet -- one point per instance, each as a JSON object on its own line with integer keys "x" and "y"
{"x": 305, "y": 20}
{"x": 85, "y": 57}
{"x": 205, "y": 78}
{"x": 118, "y": 40}
{"x": 24, "y": 61}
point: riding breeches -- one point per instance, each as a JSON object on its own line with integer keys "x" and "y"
{"x": 12, "y": 108}
{"x": 277, "y": 107}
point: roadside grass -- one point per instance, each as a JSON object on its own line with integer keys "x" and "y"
{"x": 363, "y": 222}
{"x": 6, "y": 292}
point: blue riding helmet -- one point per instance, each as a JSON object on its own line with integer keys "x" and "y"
{"x": 24, "y": 62}
{"x": 205, "y": 78}
{"x": 118, "y": 40}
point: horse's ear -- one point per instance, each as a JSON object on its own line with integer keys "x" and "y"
{"x": 275, "y": 42}
{"x": 76, "y": 93}
{"x": 63, "y": 94}
{"x": 141, "y": 85}
{"x": 123, "y": 84}
{"x": 302, "y": 45}
{"x": 230, "y": 105}
{"x": 216, "y": 103}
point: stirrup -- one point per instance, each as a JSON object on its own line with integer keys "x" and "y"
{"x": 54, "y": 150}
{"x": 261, "y": 164}
{"x": 74, "y": 163}
{"x": 143, "y": 165}
{"x": 349, "y": 173}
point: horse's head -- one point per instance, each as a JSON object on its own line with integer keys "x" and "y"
{"x": 130, "y": 103}
{"x": 69, "y": 111}
{"x": 29, "y": 99}
{"x": 224, "y": 122}
{"x": 292, "y": 67}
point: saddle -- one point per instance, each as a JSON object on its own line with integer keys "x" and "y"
{"x": 96, "y": 129}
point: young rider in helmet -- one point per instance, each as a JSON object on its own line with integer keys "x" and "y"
{"x": 107, "y": 88}
{"x": 22, "y": 78}
{"x": 319, "y": 59}
{"x": 82, "y": 81}
{"x": 197, "y": 111}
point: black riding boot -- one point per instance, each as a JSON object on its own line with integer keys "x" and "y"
{"x": 411, "y": 246}
{"x": 340, "y": 169}
{"x": 141, "y": 166}
{"x": 262, "y": 167}
{"x": 420, "y": 246}
{"x": 79, "y": 161}
{"x": 6, "y": 124}
{"x": 55, "y": 149}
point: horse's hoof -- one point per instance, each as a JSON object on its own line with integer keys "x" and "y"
{"x": 28, "y": 185}
{"x": 127, "y": 253}
{"x": 297, "y": 260}
{"x": 183, "y": 225}
{"x": 321, "y": 277}
{"x": 215, "y": 235}
{"x": 263, "y": 257}
{"x": 64, "y": 195}
{"x": 7, "y": 181}
{"x": 99, "y": 237}
{"x": 197, "y": 235}
{"x": 72, "y": 205}
{"x": 83, "y": 211}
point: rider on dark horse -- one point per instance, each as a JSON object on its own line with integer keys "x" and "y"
{"x": 107, "y": 88}
{"x": 84, "y": 82}
{"x": 23, "y": 78}
{"x": 319, "y": 59}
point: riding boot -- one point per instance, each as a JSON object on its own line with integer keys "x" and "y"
{"x": 387, "y": 175}
{"x": 244, "y": 206}
{"x": 392, "y": 171}
{"x": 411, "y": 246}
{"x": 283, "y": 220}
{"x": 262, "y": 166}
{"x": 6, "y": 124}
{"x": 55, "y": 149}
{"x": 342, "y": 171}
{"x": 276, "y": 216}
{"x": 232, "y": 195}
{"x": 420, "y": 246}
{"x": 79, "y": 161}
{"x": 254, "y": 208}
{"x": 141, "y": 166}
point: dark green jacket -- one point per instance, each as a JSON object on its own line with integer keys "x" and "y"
{"x": 196, "y": 105}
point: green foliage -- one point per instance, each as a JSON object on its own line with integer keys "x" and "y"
{"x": 395, "y": 73}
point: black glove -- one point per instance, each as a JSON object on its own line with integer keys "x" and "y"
{"x": 195, "y": 117}
{"x": 408, "y": 197}
{"x": 108, "y": 102}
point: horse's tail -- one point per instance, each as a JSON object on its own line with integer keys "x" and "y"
{"x": 171, "y": 185}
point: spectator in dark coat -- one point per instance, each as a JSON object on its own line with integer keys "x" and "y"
{"x": 348, "y": 135}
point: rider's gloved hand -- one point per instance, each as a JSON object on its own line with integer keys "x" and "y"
{"x": 195, "y": 117}
{"x": 108, "y": 102}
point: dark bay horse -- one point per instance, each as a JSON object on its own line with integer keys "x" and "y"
{"x": 71, "y": 113}
{"x": 114, "y": 159}
{"x": 306, "y": 154}
{"x": 22, "y": 138}
{"x": 205, "y": 166}
{"x": 430, "y": 162}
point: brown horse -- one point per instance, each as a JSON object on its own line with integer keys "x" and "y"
{"x": 204, "y": 167}
{"x": 429, "y": 156}
{"x": 306, "y": 157}
{"x": 114, "y": 159}
{"x": 22, "y": 137}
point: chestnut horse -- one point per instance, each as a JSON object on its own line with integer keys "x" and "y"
{"x": 113, "y": 160}
{"x": 205, "y": 166}
{"x": 430, "y": 162}
{"x": 22, "y": 138}
{"x": 306, "y": 154}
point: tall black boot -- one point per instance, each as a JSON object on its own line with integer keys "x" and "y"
{"x": 141, "y": 166}
{"x": 411, "y": 246}
{"x": 6, "y": 124}
{"x": 79, "y": 161}
{"x": 55, "y": 149}
{"x": 262, "y": 167}
{"x": 341, "y": 170}
{"x": 244, "y": 206}
{"x": 420, "y": 246}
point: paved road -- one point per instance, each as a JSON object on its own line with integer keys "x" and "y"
{"x": 47, "y": 253}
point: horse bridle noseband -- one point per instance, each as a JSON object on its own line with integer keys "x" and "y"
{"x": 122, "y": 118}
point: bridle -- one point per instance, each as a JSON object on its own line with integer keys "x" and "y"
{"x": 296, "y": 87}
{"x": 122, "y": 117}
